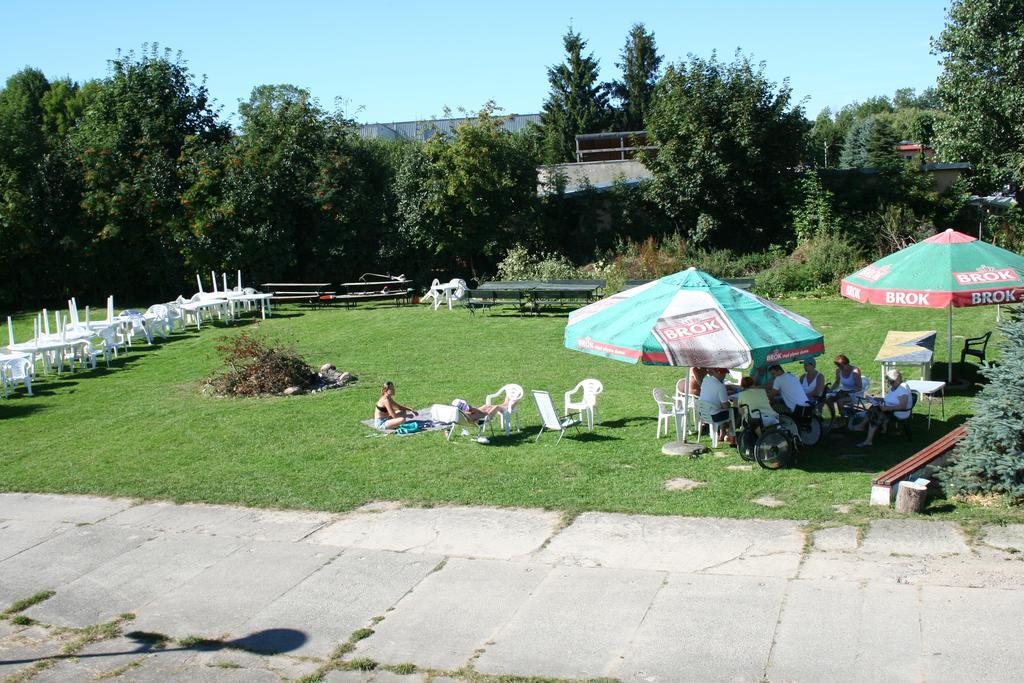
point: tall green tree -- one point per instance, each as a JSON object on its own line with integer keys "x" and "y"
{"x": 881, "y": 152}
{"x": 728, "y": 139}
{"x": 577, "y": 102}
{"x": 129, "y": 144}
{"x": 982, "y": 87}
{"x": 639, "y": 63}
{"x": 477, "y": 188}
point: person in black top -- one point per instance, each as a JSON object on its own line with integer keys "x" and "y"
{"x": 389, "y": 413}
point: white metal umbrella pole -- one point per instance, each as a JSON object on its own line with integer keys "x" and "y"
{"x": 949, "y": 338}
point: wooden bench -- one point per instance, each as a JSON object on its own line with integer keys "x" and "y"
{"x": 298, "y": 292}
{"x": 883, "y": 488}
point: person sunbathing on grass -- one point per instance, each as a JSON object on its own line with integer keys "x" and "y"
{"x": 389, "y": 413}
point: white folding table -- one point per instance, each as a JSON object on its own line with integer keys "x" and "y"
{"x": 929, "y": 388}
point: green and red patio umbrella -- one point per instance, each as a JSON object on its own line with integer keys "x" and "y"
{"x": 947, "y": 270}
{"x": 691, "y": 319}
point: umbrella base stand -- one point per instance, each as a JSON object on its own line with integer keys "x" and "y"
{"x": 683, "y": 448}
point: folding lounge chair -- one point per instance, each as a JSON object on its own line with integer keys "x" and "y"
{"x": 549, "y": 418}
{"x": 455, "y": 418}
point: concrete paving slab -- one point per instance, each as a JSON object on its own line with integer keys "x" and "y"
{"x": 224, "y": 520}
{"x": 223, "y": 596}
{"x": 25, "y": 647}
{"x": 914, "y": 537}
{"x": 38, "y": 507}
{"x": 452, "y": 613}
{"x": 972, "y": 634}
{"x": 837, "y": 538}
{"x": 705, "y": 628}
{"x": 132, "y": 579}
{"x": 458, "y": 531}
{"x": 576, "y": 624}
{"x": 339, "y": 676}
{"x": 679, "y": 544}
{"x": 839, "y": 631}
{"x": 18, "y": 535}
{"x": 342, "y": 597}
{"x": 63, "y": 558}
{"x": 162, "y": 516}
{"x": 98, "y": 660}
{"x": 985, "y": 568}
{"x": 286, "y": 667}
{"x": 1008, "y": 537}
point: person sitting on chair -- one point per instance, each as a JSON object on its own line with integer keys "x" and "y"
{"x": 756, "y": 399}
{"x": 713, "y": 391}
{"x": 696, "y": 379}
{"x": 477, "y": 414}
{"x": 848, "y": 382}
{"x": 786, "y": 394}
{"x": 812, "y": 381}
{"x": 897, "y": 403}
{"x": 389, "y": 413}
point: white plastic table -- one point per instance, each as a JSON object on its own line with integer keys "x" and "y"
{"x": 442, "y": 293}
{"x": 929, "y": 388}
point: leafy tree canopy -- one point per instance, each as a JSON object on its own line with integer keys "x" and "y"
{"x": 728, "y": 139}
{"x": 982, "y": 87}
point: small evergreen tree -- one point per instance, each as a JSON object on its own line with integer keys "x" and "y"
{"x": 990, "y": 458}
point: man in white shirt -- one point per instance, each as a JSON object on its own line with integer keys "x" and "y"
{"x": 713, "y": 391}
{"x": 786, "y": 393}
{"x": 897, "y": 403}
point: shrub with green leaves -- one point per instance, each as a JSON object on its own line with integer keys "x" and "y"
{"x": 815, "y": 266}
{"x": 520, "y": 264}
{"x": 990, "y": 458}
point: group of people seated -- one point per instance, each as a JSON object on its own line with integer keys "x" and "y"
{"x": 770, "y": 391}
{"x": 390, "y": 414}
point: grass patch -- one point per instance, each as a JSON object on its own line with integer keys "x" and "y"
{"x": 25, "y": 603}
{"x": 405, "y": 669}
{"x": 22, "y": 620}
{"x": 360, "y": 634}
{"x": 310, "y": 452}
{"x": 360, "y": 664}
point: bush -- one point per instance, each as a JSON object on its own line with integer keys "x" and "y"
{"x": 990, "y": 458}
{"x": 258, "y": 368}
{"x": 815, "y": 267}
{"x": 519, "y": 264}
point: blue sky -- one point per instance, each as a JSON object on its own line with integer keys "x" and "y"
{"x": 397, "y": 61}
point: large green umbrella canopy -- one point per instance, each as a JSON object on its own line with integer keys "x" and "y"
{"x": 947, "y": 270}
{"x": 691, "y": 319}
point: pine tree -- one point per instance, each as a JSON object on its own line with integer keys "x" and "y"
{"x": 990, "y": 458}
{"x": 577, "y": 103}
{"x": 639, "y": 65}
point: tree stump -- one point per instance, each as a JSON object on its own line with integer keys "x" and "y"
{"x": 911, "y": 497}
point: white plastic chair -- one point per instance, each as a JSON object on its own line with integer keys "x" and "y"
{"x": 513, "y": 394}
{"x": 136, "y": 324}
{"x": 14, "y": 370}
{"x": 549, "y": 418}
{"x": 666, "y": 410}
{"x": 705, "y": 410}
{"x": 158, "y": 316}
{"x": 686, "y": 401}
{"x": 587, "y": 403}
{"x": 105, "y": 343}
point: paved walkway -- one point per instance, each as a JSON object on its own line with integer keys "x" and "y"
{"x": 386, "y": 593}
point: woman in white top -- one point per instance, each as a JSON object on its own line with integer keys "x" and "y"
{"x": 848, "y": 383}
{"x": 812, "y": 381}
{"x": 897, "y": 403}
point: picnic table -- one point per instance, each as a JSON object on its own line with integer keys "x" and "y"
{"x": 533, "y": 295}
{"x": 298, "y": 292}
{"x": 383, "y": 288}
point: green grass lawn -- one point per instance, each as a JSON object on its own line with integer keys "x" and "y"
{"x": 144, "y": 429}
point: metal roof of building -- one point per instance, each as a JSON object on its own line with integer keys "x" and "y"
{"x": 423, "y": 130}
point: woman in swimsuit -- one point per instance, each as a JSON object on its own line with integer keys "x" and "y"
{"x": 389, "y": 413}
